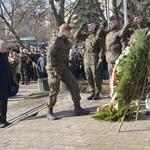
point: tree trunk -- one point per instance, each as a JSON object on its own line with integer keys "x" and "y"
{"x": 12, "y": 30}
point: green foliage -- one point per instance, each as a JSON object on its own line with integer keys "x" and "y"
{"x": 131, "y": 74}
{"x": 111, "y": 114}
{"x": 13, "y": 64}
{"x": 133, "y": 70}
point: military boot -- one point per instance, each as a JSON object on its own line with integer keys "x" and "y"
{"x": 26, "y": 83}
{"x": 22, "y": 83}
{"x": 50, "y": 114}
{"x": 96, "y": 96}
{"x": 79, "y": 111}
{"x": 91, "y": 96}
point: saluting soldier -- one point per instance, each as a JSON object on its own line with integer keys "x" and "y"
{"x": 94, "y": 52}
{"x": 113, "y": 42}
{"x": 58, "y": 69}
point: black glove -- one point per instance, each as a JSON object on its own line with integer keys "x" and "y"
{"x": 57, "y": 73}
{"x": 99, "y": 66}
{"x": 83, "y": 25}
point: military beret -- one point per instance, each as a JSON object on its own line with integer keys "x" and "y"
{"x": 64, "y": 26}
{"x": 91, "y": 20}
{"x": 113, "y": 18}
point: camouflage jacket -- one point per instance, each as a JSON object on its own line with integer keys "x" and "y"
{"x": 94, "y": 45}
{"x": 58, "y": 54}
{"x": 113, "y": 42}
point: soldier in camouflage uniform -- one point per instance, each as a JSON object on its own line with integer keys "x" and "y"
{"x": 113, "y": 42}
{"x": 33, "y": 58}
{"x": 58, "y": 69}
{"x": 23, "y": 69}
{"x": 94, "y": 45}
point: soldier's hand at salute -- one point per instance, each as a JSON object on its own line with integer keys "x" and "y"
{"x": 83, "y": 25}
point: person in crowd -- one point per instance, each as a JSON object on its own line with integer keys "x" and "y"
{"x": 93, "y": 55}
{"x": 16, "y": 49}
{"x": 41, "y": 63}
{"x": 33, "y": 58}
{"x": 13, "y": 64}
{"x": 57, "y": 70}
{"x": 29, "y": 65}
{"x": 78, "y": 59}
{"x": 17, "y": 57}
{"x": 73, "y": 63}
{"x": 23, "y": 69}
{"x": 6, "y": 80}
{"x": 82, "y": 72}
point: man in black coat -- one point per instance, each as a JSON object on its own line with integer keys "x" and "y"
{"x": 6, "y": 80}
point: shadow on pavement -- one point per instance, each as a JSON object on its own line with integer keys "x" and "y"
{"x": 62, "y": 114}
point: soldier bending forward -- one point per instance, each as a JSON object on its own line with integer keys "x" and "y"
{"x": 57, "y": 69}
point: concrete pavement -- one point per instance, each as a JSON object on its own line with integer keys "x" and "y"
{"x": 72, "y": 133}
{"x": 24, "y": 91}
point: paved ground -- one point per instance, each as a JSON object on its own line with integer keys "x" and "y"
{"x": 24, "y": 91}
{"x": 69, "y": 132}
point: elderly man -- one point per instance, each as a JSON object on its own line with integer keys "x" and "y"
{"x": 58, "y": 69}
{"x": 6, "y": 80}
{"x": 94, "y": 51}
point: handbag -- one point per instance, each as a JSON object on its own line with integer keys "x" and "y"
{"x": 14, "y": 89}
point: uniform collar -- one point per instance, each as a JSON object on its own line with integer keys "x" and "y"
{"x": 115, "y": 28}
{"x": 63, "y": 37}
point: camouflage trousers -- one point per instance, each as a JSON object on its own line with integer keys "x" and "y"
{"x": 24, "y": 72}
{"x": 93, "y": 77}
{"x": 35, "y": 71}
{"x": 54, "y": 86}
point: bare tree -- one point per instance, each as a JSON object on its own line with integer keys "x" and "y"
{"x": 35, "y": 19}
{"x": 24, "y": 18}
{"x": 7, "y": 15}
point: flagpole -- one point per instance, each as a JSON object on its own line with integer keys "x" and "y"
{"x": 108, "y": 14}
{"x": 125, "y": 11}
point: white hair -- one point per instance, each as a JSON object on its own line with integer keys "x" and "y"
{"x": 2, "y": 42}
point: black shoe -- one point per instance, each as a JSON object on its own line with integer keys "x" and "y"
{"x": 81, "y": 112}
{"x": 91, "y": 96}
{"x": 22, "y": 83}
{"x": 51, "y": 117}
{"x": 4, "y": 124}
{"x": 26, "y": 83}
{"x": 96, "y": 96}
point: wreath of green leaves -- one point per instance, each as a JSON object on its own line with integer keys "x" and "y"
{"x": 135, "y": 67}
{"x": 133, "y": 70}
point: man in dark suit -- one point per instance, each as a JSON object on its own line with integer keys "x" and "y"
{"x": 6, "y": 80}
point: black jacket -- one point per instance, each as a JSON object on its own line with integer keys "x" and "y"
{"x": 6, "y": 78}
